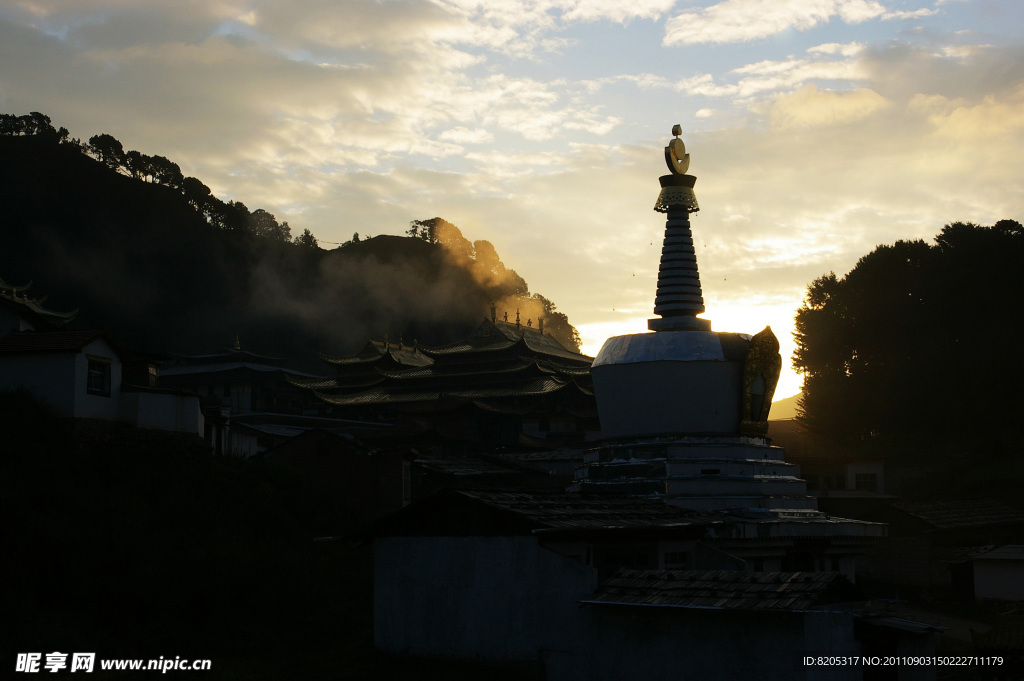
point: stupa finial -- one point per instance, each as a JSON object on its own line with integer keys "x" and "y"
{"x": 679, "y": 299}
{"x": 675, "y": 153}
{"x": 677, "y": 188}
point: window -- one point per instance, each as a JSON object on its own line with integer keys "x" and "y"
{"x": 676, "y": 559}
{"x": 98, "y": 378}
{"x": 867, "y": 482}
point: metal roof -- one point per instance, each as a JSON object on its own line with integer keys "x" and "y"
{"x": 960, "y": 513}
{"x": 720, "y": 589}
{"x": 575, "y": 511}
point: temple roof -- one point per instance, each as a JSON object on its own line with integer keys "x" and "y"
{"x": 14, "y": 296}
{"x": 495, "y": 336}
{"x": 229, "y": 356}
{"x": 498, "y": 361}
{"x": 222, "y": 367}
{"x": 376, "y": 351}
{"x": 399, "y": 394}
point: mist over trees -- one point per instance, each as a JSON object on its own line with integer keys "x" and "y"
{"x": 916, "y": 350}
{"x": 511, "y": 292}
{"x": 162, "y": 264}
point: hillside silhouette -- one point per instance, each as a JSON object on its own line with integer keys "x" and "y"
{"x": 156, "y": 271}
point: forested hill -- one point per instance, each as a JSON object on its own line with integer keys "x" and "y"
{"x": 154, "y": 270}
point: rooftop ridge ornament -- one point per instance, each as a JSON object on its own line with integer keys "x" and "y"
{"x": 679, "y": 298}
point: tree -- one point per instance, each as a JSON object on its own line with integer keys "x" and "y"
{"x": 307, "y": 239}
{"x": 34, "y": 123}
{"x": 166, "y": 171}
{"x": 138, "y": 164}
{"x": 265, "y": 225}
{"x": 906, "y": 344}
{"x": 236, "y": 216}
{"x": 10, "y": 125}
{"x": 108, "y": 148}
{"x": 557, "y": 324}
{"x": 195, "y": 192}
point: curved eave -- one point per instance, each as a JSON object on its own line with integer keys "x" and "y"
{"x": 533, "y": 387}
{"x": 437, "y": 372}
{"x": 354, "y": 359}
{"x": 14, "y": 289}
{"x": 466, "y": 347}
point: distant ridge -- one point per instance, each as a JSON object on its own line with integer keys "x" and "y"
{"x": 139, "y": 261}
{"x": 784, "y": 408}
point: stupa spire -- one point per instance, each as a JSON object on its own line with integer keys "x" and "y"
{"x": 679, "y": 298}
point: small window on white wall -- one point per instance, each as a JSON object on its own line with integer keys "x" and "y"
{"x": 98, "y": 381}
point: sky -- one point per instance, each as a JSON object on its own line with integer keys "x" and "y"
{"x": 817, "y": 129}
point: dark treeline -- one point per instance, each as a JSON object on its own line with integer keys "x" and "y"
{"x": 162, "y": 265}
{"x": 914, "y": 354}
{"x": 230, "y": 215}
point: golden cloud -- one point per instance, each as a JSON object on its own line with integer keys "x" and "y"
{"x": 810, "y": 107}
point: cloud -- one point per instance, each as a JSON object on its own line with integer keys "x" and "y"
{"x": 360, "y": 116}
{"x": 463, "y": 135}
{"x": 615, "y": 10}
{"x": 746, "y": 20}
{"x": 811, "y": 107}
{"x": 910, "y": 14}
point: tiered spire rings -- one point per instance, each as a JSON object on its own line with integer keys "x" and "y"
{"x": 679, "y": 299}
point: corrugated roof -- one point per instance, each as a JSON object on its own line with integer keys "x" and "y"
{"x": 719, "y": 589}
{"x": 575, "y": 511}
{"x": 959, "y": 513}
{"x": 464, "y": 466}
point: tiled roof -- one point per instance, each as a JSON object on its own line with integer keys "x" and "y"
{"x": 498, "y": 336}
{"x": 464, "y": 466}
{"x": 457, "y": 370}
{"x": 398, "y": 395}
{"x": 960, "y": 513}
{"x": 200, "y": 369}
{"x": 29, "y": 342}
{"x": 374, "y": 351}
{"x": 721, "y": 590}
{"x": 332, "y": 384}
